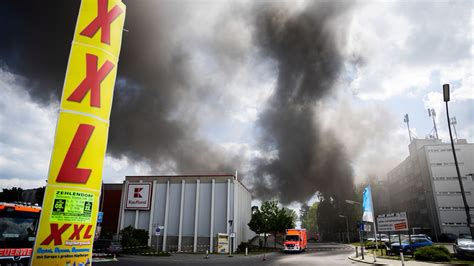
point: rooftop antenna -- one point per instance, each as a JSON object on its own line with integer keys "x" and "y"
{"x": 453, "y": 123}
{"x": 406, "y": 120}
{"x": 432, "y": 114}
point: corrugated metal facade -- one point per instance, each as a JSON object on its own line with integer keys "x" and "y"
{"x": 192, "y": 209}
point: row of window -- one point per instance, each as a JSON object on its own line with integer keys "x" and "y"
{"x": 455, "y": 224}
{"x": 448, "y": 178}
{"x": 447, "y": 193}
{"x": 442, "y": 150}
{"x": 445, "y": 164}
{"x": 453, "y": 208}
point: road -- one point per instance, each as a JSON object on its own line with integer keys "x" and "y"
{"x": 317, "y": 254}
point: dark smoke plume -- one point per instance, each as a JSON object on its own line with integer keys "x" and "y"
{"x": 305, "y": 50}
{"x": 157, "y": 93}
{"x": 153, "y": 81}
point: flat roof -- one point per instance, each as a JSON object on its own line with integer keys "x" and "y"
{"x": 187, "y": 177}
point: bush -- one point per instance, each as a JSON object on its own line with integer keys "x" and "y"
{"x": 432, "y": 253}
{"x": 132, "y": 237}
{"x": 242, "y": 246}
{"x": 371, "y": 244}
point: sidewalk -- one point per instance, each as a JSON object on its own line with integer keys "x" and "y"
{"x": 369, "y": 259}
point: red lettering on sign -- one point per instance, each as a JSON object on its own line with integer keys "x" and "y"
{"x": 55, "y": 234}
{"x": 77, "y": 230}
{"x": 69, "y": 173}
{"x": 103, "y": 20}
{"x": 15, "y": 252}
{"x": 87, "y": 234}
{"x": 92, "y": 81}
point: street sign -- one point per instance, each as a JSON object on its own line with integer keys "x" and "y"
{"x": 158, "y": 231}
{"x": 100, "y": 217}
{"x": 367, "y": 228}
{"x": 392, "y": 222}
{"x": 138, "y": 196}
{"x": 232, "y": 235}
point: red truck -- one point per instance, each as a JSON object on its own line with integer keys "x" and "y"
{"x": 18, "y": 225}
{"x": 295, "y": 240}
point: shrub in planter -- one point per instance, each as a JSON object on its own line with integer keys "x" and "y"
{"x": 432, "y": 253}
{"x": 132, "y": 237}
{"x": 371, "y": 244}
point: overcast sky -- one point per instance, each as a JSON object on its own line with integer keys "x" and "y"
{"x": 198, "y": 81}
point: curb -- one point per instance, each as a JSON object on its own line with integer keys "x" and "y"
{"x": 366, "y": 262}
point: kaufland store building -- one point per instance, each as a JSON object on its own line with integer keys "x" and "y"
{"x": 185, "y": 213}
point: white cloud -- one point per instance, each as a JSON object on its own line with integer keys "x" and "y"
{"x": 398, "y": 46}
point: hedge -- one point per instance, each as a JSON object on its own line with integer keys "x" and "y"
{"x": 432, "y": 253}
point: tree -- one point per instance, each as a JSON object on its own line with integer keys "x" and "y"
{"x": 39, "y": 195}
{"x": 11, "y": 195}
{"x": 309, "y": 217}
{"x": 271, "y": 218}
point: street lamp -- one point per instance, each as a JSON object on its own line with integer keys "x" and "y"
{"x": 347, "y": 227}
{"x": 353, "y": 202}
{"x": 466, "y": 207}
{"x": 360, "y": 229}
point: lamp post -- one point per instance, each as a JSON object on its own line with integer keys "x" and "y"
{"x": 347, "y": 227}
{"x": 360, "y": 229}
{"x": 466, "y": 206}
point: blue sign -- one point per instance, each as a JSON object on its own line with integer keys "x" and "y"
{"x": 100, "y": 216}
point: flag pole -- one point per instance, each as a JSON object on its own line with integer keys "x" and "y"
{"x": 375, "y": 226}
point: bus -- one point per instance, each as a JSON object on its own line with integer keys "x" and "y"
{"x": 18, "y": 224}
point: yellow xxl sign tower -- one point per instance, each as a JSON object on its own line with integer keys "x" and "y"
{"x": 69, "y": 214}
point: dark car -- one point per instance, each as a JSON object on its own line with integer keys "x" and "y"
{"x": 448, "y": 238}
{"x": 106, "y": 246}
{"x": 407, "y": 247}
{"x": 464, "y": 246}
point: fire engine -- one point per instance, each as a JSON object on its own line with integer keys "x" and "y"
{"x": 18, "y": 223}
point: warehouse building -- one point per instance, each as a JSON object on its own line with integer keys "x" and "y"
{"x": 426, "y": 186}
{"x": 187, "y": 212}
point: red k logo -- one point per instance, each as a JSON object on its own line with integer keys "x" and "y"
{"x": 102, "y": 21}
{"x": 137, "y": 192}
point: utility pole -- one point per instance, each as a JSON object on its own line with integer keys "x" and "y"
{"x": 463, "y": 194}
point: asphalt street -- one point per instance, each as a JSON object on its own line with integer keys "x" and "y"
{"x": 317, "y": 254}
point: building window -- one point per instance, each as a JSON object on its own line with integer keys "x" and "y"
{"x": 453, "y": 208}
{"x": 447, "y": 178}
{"x": 451, "y": 193}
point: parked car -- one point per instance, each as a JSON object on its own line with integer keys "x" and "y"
{"x": 422, "y": 235}
{"x": 407, "y": 247}
{"x": 107, "y": 246}
{"x": 464, "y": 246}
{"x": 447, "y": 238}
{"x": 380, "y": 237}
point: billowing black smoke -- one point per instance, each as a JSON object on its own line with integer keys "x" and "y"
{"x": 306, "y": 159}
{"x": 153, "y": 79}
{"x": 153, "y": 114}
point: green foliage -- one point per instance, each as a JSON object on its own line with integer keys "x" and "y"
{"x": 132, "y": 237}
{"x": 271, "y": 219}
{"x": 432, "y": 253}
{"x": 309, "y": 217}
{"x": 39, "y": 195}
{"x": 11, "y": 195}
{"x": 371, "y": 244}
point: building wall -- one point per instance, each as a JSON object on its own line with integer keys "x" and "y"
{"x": 425, "y": 185}
{"x": 446, "y": 189}
{"x": 232, "y": 201}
